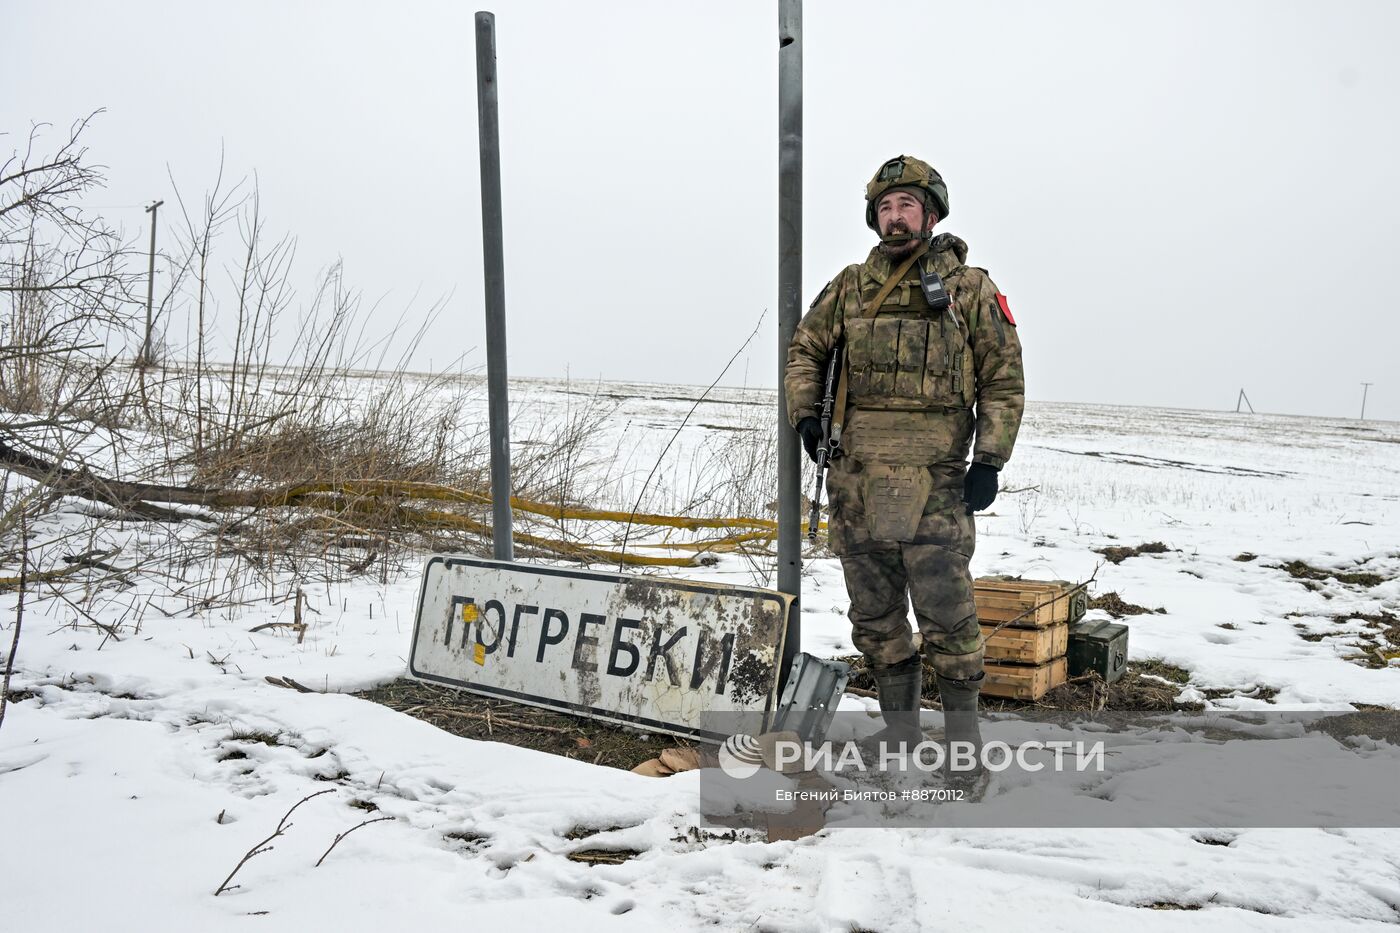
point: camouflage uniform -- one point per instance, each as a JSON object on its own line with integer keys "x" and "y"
{"x": 897, "y": 520}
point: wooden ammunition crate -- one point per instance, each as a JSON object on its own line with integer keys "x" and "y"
{"x": 1026, "y": 645}
{"x": 1000, "y": 599}
{"x": 1023, "y": 681}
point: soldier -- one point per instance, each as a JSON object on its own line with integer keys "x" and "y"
{"x": 932, "y": 358}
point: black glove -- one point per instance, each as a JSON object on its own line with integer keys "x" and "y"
{"x": 811, "y": 430}
{"x": 980, "y": 487}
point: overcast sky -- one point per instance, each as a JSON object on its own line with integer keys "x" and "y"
{"x": 1181, "y": 199}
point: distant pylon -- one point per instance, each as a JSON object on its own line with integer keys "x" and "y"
{"x": 1243, "y": 400}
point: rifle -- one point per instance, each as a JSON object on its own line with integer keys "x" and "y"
{"x": 830, "y": 447}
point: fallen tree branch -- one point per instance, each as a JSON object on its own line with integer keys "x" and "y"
{"x": 120, "y": 493}
{"x": 287, "y": 682}
{"x": 87, "y": 485}
{"x": 9, "y": 583}
{"x": 97, "y": 561}
{"x": 374, "y": 496}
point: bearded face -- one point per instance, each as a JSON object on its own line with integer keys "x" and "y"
{"x": 902, "y": 220}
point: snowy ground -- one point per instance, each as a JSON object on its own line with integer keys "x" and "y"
{"x": 139, "y": 771}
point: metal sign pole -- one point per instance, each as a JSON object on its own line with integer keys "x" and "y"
{"x": 490, "y": 137}
{"x": 789, "y": 312}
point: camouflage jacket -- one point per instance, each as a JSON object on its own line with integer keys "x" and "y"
{"x": 906, "y": 357}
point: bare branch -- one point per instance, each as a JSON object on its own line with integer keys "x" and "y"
{"x": 19, "y": 621}
{"x": 265, "y": 845}
{"x": 340, "y": 836}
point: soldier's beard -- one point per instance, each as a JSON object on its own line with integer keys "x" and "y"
{"x": 899, "y": 249}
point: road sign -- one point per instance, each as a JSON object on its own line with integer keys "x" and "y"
{"x": 645, "y": 651}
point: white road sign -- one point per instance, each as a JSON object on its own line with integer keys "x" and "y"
{"x": 645, "y": 651}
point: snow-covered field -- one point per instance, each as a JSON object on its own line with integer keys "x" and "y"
{"x": 136, "y": 773}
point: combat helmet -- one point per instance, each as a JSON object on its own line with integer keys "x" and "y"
{"x": 906, "y": 172}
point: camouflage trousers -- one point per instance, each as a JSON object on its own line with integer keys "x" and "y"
{"x": 881, "y": 584}
{"x": 931, "y": 571}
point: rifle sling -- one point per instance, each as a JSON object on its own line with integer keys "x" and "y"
{"x": 838, "y": 410}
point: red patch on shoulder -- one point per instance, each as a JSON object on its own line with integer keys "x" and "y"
{"x": 1005, "y": 309}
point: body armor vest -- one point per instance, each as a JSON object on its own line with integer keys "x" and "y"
{"x": 910, "y": 376}
{"x": 904, "y": 355}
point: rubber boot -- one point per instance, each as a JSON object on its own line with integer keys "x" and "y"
{"x": 901, "y": 686}
{"x": 960, "y": 725}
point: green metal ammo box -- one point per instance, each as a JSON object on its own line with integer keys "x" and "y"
{"x": 1098, "y": 646}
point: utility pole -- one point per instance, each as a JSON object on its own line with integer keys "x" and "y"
{"x": 1365, "y": 388}
{"x": 789, "y": 312}
{"x": 147, "y": 358}
{"x": 498, "y": 406}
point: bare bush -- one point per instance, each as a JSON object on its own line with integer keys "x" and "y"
{"x": 271, "y": 444}
{"x": 66, "y": 311}
{"x": 63, "y": 273}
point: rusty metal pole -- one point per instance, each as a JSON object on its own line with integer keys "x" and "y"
{"x": 789, "y": 312}
{"x": 491, "y": 237}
